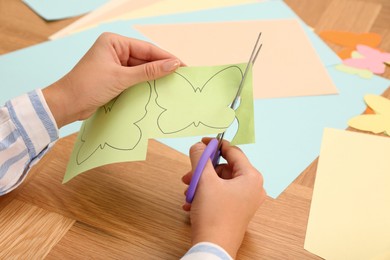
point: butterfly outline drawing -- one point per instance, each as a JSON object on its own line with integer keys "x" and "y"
{"x": 170, "y": 113}
{"x": 107, "y": 109}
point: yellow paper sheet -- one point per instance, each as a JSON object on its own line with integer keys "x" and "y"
{"x": 181, "y": 6}
{"x": 350, "y": 212}
{"x": 104, "y": 13}
{"x": 192, "y": 101}
{"x": 287, "y": 65}
{"x": 123, "y": 9}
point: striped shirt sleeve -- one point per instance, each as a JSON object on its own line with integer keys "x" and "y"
{"x": 27, "y": 131}
{"x": 206, "y": 251}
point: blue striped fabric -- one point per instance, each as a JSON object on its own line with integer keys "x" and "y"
{"x": 43, "y": 115}
{"x": 9, "y": 162}
{"x": 21, "y": 130}
{"x": 15, "y": 142}
{"x": 8, "y": 140}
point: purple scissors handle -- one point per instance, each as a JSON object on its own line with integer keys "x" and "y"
{"x": 208, "y": 154}
{"x": 213, "y": 149}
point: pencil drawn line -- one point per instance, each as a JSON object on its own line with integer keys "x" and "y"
{"x": 195, "y": 89}
{"x": 102, "y": 146}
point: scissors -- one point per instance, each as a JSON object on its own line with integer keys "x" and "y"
{"x": 213, "y": 149}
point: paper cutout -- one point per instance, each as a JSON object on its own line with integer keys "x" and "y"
{"x": 60, "y": 9}
{"x": 363, "y": 73}
{"x": 288, "y": 130}
{"x": 367, "y": 56}
{"x": 230, "y": 42}
{"x": 350, "y": 215}
{"x": 372, "y": 59}
{"x": 119, "y": 131}
{"x": 378, "y": 122}
{"x": 350, "y": 40}
{"x": 369, "y": 111}
{"x": 356, "y": 55}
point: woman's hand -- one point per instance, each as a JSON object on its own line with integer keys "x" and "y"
{"x": 110, "y": 66}
{"x": 226, "y": 198}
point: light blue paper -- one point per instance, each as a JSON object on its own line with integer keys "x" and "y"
{"x": 41, "y": 65}
{"x": 60, "y": 9}
{"x": 289, "y": 130}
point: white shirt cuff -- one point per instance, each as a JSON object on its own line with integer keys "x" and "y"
{"x": 206, "y": 251}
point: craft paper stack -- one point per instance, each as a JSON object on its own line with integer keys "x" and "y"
{"x": 297, "y": 89}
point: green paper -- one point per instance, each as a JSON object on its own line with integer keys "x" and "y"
{"x": 245, "y": 115}
{"x": 192, "y": 101}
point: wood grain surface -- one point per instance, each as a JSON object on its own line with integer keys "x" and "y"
{"x": 133, "y": 210}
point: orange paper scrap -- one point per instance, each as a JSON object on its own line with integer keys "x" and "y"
{"x": 349, "y": 40}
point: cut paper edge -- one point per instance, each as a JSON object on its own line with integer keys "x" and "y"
{"x": 351, "y": 39}
{"x": 376, "y": 117}
{"x": 363, "y": 73}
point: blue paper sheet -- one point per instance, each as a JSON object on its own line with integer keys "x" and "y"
{"x": 289, "y": 130}
{"x": 60, "y": 9}
{"x": 40, "y": 65}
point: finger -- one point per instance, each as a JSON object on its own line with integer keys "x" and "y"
{"x": 196, "y": 152}
{"x": 148, "y": 71}
{"x": 135, "y": 62}
{"x": 126, "y": 47}
{"x": 147, "y": 51}
{"x": 186, "y": 179}
{"x": 236, "y": 159}
{"x": 224, "y": 171}
{"x": 206, "y": 140}
{"x": 187, "y": 206}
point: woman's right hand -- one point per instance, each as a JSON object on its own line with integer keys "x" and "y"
{"x": 226, "y": 198}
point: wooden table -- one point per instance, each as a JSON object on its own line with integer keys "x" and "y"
{"x": 133, "y": 210}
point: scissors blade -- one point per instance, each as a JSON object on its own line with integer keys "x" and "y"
{"x": 251, "y": 61}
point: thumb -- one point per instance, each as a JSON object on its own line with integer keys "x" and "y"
{"x": 149, "y": 71}
{"x": 196, "y": 152}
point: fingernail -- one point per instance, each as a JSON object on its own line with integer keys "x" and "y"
{"x": 170, "y": 65}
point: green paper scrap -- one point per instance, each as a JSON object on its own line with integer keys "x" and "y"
{"x": 192, "y": 101}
